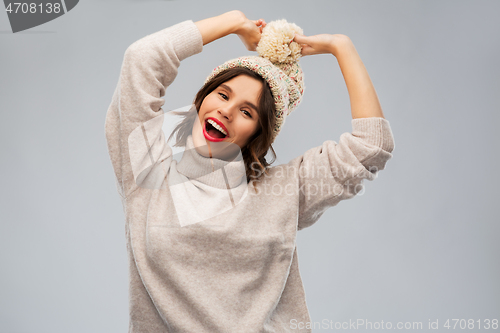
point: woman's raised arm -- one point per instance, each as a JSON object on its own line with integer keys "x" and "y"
{"x": 134, "y": 119}
{"x": 233, "y": 22}
{"x": 362, "y": 95}
{"x": 358, "y": 155}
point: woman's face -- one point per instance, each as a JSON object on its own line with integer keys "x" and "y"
{"x": 232, "y": 108}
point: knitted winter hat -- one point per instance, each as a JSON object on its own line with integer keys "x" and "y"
{"x": 278, "y": 64}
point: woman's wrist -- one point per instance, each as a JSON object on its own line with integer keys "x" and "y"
{"x": 236, "y": 20}
{"x": 219, "y": 26}
{"x": 339, "y": 44}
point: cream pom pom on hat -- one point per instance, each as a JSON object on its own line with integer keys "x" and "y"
{"x": 277, "y": 63}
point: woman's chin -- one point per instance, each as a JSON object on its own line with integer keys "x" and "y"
{"x": 220, "y": 150}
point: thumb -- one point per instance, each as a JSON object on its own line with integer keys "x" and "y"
{"x": 301, "y": 39}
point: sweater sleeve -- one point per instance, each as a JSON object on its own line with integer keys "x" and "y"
{"x": 335, "y": 171}
{"x": 133, "y": 126}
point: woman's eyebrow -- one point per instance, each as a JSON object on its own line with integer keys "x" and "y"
{"x": 225, "y": 86}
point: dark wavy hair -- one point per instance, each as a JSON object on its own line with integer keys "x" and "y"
{"x": 254, "y": 153}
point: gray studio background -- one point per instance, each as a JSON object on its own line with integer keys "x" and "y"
{"x": 421, "y": 243}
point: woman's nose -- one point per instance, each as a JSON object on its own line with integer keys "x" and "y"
{"x": 225, "y": 112}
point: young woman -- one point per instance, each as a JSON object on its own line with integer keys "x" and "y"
{"x": 211, "y": 239}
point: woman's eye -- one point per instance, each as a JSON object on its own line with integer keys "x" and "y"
{"x": 223, "y": 96}
{"x": 247, "y": 113}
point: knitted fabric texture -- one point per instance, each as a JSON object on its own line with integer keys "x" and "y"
{"x": 237, "y": 271}
{"x": 278, "y": 64}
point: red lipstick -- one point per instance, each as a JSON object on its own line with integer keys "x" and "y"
{"x": 208, "y": 136}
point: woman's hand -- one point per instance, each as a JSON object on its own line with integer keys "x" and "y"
{"x": 250, "y": 31}
{"x": 321, "y": 44}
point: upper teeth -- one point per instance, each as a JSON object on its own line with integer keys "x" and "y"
{"x": 214, "y": 124}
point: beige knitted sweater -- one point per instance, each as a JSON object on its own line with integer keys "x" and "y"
{"x": 206, "y": 252}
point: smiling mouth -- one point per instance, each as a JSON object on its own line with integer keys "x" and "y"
{"x": 213, "y": 131}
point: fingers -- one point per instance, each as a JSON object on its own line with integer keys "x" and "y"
{"x": 260, "y": 22}
{"x": 307, "y": 50}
